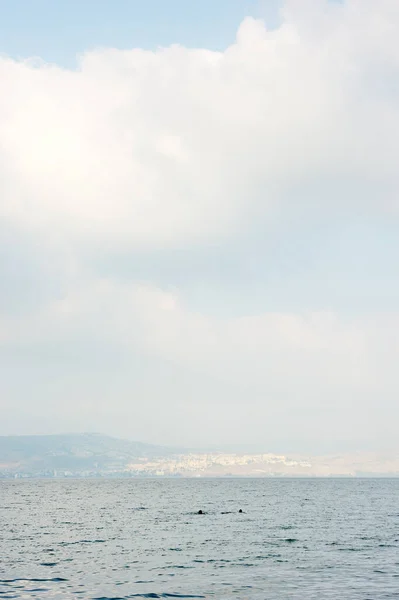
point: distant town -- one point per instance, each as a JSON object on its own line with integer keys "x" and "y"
{"x": 95, "y": 455}
{"x": 190, "y": 465}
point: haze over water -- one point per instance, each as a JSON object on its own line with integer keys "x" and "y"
{"x": 122, "y": 539}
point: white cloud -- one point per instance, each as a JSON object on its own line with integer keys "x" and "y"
{"x": 177, "y": 144}
{"x": 307, "y": 381}
{"x": 249, "y": 350}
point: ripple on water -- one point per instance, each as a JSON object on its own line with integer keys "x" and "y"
{"x": 164, "y": 595}
{"x": 35, "y": 579}
{"x": 162, "y": 549}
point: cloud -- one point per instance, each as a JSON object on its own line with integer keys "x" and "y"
{"x": 133, "y": 357}
{"x": 138, "y": 155}
{"x": 141, "y": 147}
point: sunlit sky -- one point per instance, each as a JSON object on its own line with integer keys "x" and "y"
{"x": 199, "y": 221}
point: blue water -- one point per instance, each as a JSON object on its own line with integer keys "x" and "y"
{"x": 114, "y": 539}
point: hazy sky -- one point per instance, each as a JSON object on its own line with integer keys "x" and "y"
{"x": 199, "y": 216}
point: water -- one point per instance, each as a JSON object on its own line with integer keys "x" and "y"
{"x": 303, "y": 539}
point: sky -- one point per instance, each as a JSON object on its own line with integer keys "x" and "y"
{"x": 199, "y": 211}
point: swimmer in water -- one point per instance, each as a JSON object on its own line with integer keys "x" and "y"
{"x": 200, "y": 512}
{"x": 240, "y": 511}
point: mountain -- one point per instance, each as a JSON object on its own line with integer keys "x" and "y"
{"x": 92, "y": 455}
{"x": 35, "y": 454}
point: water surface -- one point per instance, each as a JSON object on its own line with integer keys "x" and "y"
{"x": 302, "y": 539}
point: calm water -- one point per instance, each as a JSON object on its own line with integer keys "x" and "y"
{"x": 143, "y": 539}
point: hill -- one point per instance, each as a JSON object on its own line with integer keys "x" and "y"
{"x": 78, "y": 453}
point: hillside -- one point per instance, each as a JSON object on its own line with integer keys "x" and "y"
{"x": 75, "y": 452}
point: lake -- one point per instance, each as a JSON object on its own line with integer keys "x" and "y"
{"x": 139, "y": 538}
